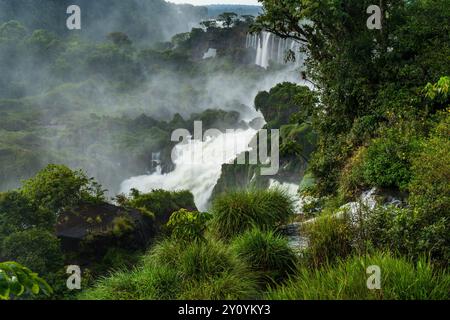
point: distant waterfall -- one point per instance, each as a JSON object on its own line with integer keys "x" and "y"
{"x": 269, "y": 47}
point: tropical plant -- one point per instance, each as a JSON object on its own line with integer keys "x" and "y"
{"x": 188, "y": 225}
{"x": 17, "y": 280}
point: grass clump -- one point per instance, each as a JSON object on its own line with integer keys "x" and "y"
{"x": 267, "y": 254}
{"x": 330, "y": 236}
{"x": 347, "y": 279}
{"x": 149, "y": 282}
{"x": 199, "y": 270}
{"x": 239, "y": 211}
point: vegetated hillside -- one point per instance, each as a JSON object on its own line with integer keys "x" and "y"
{"x": 107, "y": 106}
{"x": 145, "y": 21}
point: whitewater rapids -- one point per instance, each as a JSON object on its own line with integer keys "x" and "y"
{"x": 198, "y": 166}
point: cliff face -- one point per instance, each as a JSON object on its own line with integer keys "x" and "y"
{"x": 229, "y": 42}
{"x": 283, "y": 108}
{"x": 297, "y": 142}
{"x": 89, "y": 230}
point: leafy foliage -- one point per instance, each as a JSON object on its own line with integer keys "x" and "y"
{"x": 35, "y": 248}
{"x": 57, "y": 188}
{"x": 17, "y": 280}
{"x": 188, "y": 225}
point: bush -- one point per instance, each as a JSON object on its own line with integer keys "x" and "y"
{"x": 35, "y": 248}
{"x": 351, "y": 181}
{"x": 188, "y": 225}
{"x": 267, "y": 254}
{"x": 347, "y": 279}
{"x": 239, "y": 211}
{"x": 430, "y": 187}
{"x": 393, "y": 229}
{"x": 330, "y": 237}
{"x": 200, "y": 270}
{"x": 405, "y": 231}
{"x": 18, "y": 213}
{"x": 388, "y": 159}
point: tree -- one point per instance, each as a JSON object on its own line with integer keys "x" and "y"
{"x": 36, "y": 248}
{"x": 228, "y": 18}
{"x": 12, "y": 30}
{"x": 248, "y": 18}
{"x": 361, "y": 73}
{"x": 180, "y": 38}
{"x": 57, "y": 188}
{"x": 120, "y": 39}
{"x": 19, "y": 213}
{"x": 209, "y": 24}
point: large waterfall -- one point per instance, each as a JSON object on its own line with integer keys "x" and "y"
{"x": 200, "y": 177}
{"x": 269, "y": 47}
{"x": 198, "y": 166}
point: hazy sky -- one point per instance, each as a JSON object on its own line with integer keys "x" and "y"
{"x": 201, "y": 2}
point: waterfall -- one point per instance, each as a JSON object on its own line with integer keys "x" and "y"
{"x": 263, "y": 50}
{"x": 200, "y": 177}
{"x": 269, "y": 47}
{"x": 198, "y": 166}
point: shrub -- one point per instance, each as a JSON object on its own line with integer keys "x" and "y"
{"x": 330, "y": 237}
{"x": 352, "y": 175}
{"x": 239, "y": 211}
{"x": 388, "y": 159}
{"x": 188, "y": 225}
{"x": 122, "y": 225}
{"x": 347, "y": 279}
{"x": 407, "y": 232}
{"x": 35, "y": 248}
{"x": 18, "y": 213}
{"x": 430, "y": 187}
{"x": 393, "y": 229}
{"x": 266, "y": 253}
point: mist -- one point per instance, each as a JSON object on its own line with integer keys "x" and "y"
{"x": 106, "y": 99}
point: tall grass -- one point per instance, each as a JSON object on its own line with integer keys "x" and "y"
{"x": 267, "y": 254}
{"x": 239, "y": 211}
{"x": 400, "y": 279}
{"x": 145, "y": 283}
{"x": 207, "y": 270}
{"x": 329, "y": 237}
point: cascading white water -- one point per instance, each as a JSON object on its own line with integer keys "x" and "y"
{"x": 200, "y": 177}
{"x": 270, "y": 47}
{"x": 197, "y": 166}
